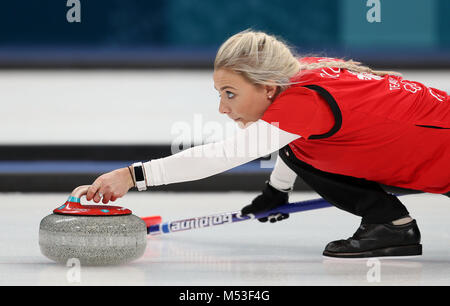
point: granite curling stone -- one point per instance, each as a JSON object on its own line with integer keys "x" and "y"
{"x": 93, "y": 234}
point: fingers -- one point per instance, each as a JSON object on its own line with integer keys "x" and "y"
{"x": 92, "y": 191}
{"x": 109, "y": 186}
{"x": 98, "y": 196}
{"x": 97, "y": 193}
{"x": 106, "y": 197}
{"x": 263, "y": 220}
{"x": 280, "y": 217}
{"x": 274, "y": 218}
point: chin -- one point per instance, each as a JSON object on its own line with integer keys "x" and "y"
{"x": 243, "y": 124}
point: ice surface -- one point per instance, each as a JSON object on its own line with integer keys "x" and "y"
{"x": 247, "y": 253}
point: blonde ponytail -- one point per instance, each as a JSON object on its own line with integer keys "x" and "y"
{"x": 349, "y": 65}
{"x": 266, "y": 60}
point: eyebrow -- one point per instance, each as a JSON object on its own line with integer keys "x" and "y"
{"x": 225, "y": 87}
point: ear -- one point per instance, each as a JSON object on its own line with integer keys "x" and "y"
{"x": 271, "y": 91}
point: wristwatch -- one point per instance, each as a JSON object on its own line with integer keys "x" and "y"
{"x": 139, "y": 176}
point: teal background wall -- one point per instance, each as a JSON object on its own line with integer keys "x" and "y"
{"x": 190, "y": 31}
{"x": 404, "y": 23}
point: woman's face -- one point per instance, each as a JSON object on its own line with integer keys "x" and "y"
{"x": 241, "y": 100}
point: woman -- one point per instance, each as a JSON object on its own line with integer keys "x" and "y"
{"x": 342, "y": 127}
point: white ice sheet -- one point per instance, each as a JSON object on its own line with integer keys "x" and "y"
{"x": 248, "y": 253}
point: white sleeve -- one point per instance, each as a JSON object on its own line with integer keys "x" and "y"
{"x": 257, "y": 140}
{"x": 282, "y": 177}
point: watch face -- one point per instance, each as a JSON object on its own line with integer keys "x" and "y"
{"x": 138, "y": 174}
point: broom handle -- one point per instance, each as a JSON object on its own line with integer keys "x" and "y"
{"x": 232, "y": 217}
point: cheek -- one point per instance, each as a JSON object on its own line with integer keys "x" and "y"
{"x": 250, "y": 106}
{"x": 258, "y": 104}
{"x": 243, "y": 107}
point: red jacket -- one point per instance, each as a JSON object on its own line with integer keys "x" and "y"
{"x": 383, "y": 129}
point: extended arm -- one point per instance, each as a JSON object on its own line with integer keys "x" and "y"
{"x": 257, "y": 140}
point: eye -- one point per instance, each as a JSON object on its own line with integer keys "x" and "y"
{"x": 230, "y": 95}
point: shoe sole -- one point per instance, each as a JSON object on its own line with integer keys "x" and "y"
{"x": 398, "y": 251}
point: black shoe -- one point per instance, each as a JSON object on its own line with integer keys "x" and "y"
{"x": 378, "y": 240}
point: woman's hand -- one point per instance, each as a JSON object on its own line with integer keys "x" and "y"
{"x": 110, "y": 186}
{"x": 268, "y": 200}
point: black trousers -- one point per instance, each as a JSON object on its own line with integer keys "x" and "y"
{"x": 357, "y": 196}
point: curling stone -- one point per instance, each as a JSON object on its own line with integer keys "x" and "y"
{"x": 93, "y": 234}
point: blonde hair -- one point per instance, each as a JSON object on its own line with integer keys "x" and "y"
{"x": 266, "y": 60}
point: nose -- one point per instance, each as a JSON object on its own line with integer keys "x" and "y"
{"x": 224, "y": 109}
